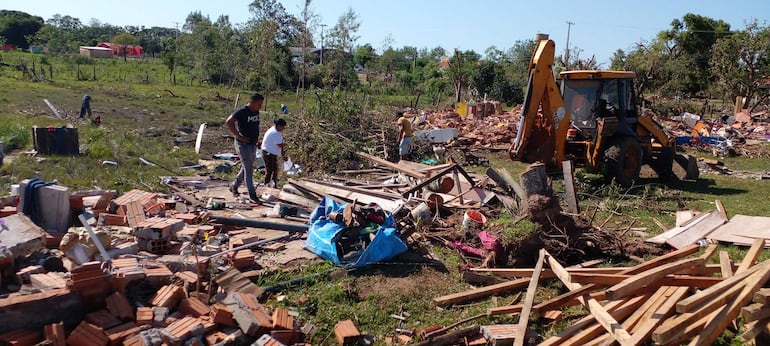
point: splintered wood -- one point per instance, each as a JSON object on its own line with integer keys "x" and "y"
{"x": 672, "y": 299}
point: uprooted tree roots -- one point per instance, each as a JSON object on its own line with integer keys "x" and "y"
{"x": 569, "y": 238}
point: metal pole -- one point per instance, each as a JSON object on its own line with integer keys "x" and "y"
{"x": 566, "y": 49}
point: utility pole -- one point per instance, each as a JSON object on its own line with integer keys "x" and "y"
{"x": 322, "y": 43}
{"x": 566, "y": 49}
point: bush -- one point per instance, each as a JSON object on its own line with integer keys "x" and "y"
{"x": 15, "y": 136}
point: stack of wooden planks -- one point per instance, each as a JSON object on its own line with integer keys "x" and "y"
{"x": 672, "y": 299}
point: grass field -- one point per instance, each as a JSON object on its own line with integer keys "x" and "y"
{"x": 143, "y": 119}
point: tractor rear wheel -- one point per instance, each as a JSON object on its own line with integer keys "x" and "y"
{"x": 623, "y": 160}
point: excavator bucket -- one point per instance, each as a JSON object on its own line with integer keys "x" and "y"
{"x": 689, "y": 164}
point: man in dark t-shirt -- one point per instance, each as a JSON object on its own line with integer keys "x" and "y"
{"x": 244, "y": 125}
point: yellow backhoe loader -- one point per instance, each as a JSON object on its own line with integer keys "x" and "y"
{"x": 591, "y": 117}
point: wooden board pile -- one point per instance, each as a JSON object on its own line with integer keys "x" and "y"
{"x": 672, "y": 299}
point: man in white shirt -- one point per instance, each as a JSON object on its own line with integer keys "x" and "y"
{"x": 272, "y": 147}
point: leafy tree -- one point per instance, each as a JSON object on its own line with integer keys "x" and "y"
{"x": 66, "y": 22}
{"x": 688, "y": 48}
{"x": 289, "y": 27}
{"x": 460, "y": 70}
{"x": 741, "y": 62}
{"x": 123, "y": 40}
{"x": 342, "y": 39}
{"x": 364, "y": 55}
{"x": 17, "y": 26}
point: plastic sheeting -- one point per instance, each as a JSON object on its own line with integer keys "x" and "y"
{"x": 323, "y": 235}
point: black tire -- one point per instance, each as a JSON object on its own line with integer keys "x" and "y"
{"x": 663, "y": 164}
{"x": 623, "y": 160}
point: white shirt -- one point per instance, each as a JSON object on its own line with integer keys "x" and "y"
{"x": 270, "y": 142}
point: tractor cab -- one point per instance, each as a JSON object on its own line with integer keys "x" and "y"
{"x": 591, "y": 97}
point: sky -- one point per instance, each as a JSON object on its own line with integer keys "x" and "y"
{"x": 599, "y": 27}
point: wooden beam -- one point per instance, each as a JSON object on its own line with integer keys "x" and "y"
{"x": 53, "y": 109}
{"x": 649, "y": 306}
{"x": 528, "y": 300}
{"x": 648, "y": 278}
{"x": 568, "y": 169}
{"x": 597, "y": 310}
{"x": 709, "y": 251}
{"x": 507, "y": 309}
{"x": 668, "y": 280}
{"x": 695, "y": 301}
{"x": 717, "y": 325}
{"x": 619, "y": 309}
{"x": 682, "y": 332}
{"x": 725, "y": 264}
{"x": 643, "y": 331}
{"x": 762, "y": 296}
{"x": 527, "y": 272}
{"x": 755, "y": 312}
{"x": 391, "y": 165}
{"x": 753, "y": 329}
{"x": 752, "y": 255}
{"x": 480, "y": 292}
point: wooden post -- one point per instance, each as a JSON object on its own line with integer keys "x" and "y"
{"x": 569, "y": 186}
{"x": 531, "y": 290}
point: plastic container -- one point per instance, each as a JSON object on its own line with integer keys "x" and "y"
{"x": 421, "y": 213}
{"x": 473, "y": 220}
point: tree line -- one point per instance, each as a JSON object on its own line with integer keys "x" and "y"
{"x": 277, "y": 50}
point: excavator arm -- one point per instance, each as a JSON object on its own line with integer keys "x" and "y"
{"x": 541, "y": 136}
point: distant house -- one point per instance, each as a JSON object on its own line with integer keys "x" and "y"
{"x": 7, "y": 47}
{"x": 95, "y": 52}
{"x": 134, "y": 51}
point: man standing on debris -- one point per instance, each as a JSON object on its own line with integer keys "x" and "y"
{"x": 244, "y": 125}
{"x": 405, "y": 134}
{"x": 272, "y": 147}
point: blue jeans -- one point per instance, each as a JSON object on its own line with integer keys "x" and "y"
{"x": 248, "y": 154}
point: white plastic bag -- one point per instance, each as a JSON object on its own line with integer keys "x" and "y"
{"x": 287, "y": 165}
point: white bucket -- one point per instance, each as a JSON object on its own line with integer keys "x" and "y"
{"x": 14, "y": 189}
{"x": 422, "y": 213}
{"x": 473, "y": 220}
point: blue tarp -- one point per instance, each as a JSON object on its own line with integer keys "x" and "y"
{"x": 323, "y": 235}
{"x": 706, "y": 140}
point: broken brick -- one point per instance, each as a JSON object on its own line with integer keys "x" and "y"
{"x": 282, "y": 319}
{"x": 118, "y": 306}
{"x": 119, "y": 333}
{"x": 221, "y": 314}
{"x": 87, "y": 334}
{"x": 102, "y": 319}
{"x": 347, "y": 333}
{"x": 184, "y": 328}
{"x": 21, "y": 337}
{"x": 194, "y": 307}
{"x": 144, "y": 315}
{"x": 267, "y": 340}
{"x": 55, "y": 334}
{"x": 168, "y": 296}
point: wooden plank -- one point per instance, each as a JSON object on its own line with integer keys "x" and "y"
{"x": 648, "y": 278}
{"x": 719, "y": 323}
{"x": 345, "y": 194}
{"x": 696, "y": 300}
{"x": 732, "y": 231}
{"x": 698, "y": 309}
{"x": 752, "y": 255}
{"x": 698, "y": 230}
{"x": 391, "y": 165}
{"x": 561, "y": 300}
{"x": 587, "y": 329}
{"x": 597, "y": 310}
{"x": 725, "y": 264}
{"x": 507, "y": 309}
{"x": 685, "y": 216}
{"x": 527, "y": 272}
{"x": 709, "y": 251}
{"x": 755, "y": 312}
{"x": 643, "y": 331}
{"x": 528, "y": 300}
{"x": 762, "y": 296}
{"x": 665, "y": 236}
{"x": 568, "y": 169}
{"x": 53, "y": 109}
{"x": 753, "y": 329}
{"x": 682, "y": 332}
{"x": 649, "y": 306}
{"x": 480, "y": 292}
{"x": 669, "y": 280}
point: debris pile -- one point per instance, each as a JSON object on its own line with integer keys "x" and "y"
{"x": 492, "y": 130}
